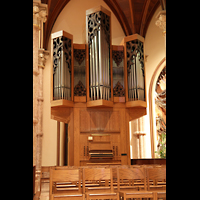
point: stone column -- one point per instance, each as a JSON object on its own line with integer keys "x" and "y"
{"x": 42, "y": 56}
{"x": 161, "y": 22}
{"x": 35, "y": 77}
{"x": 39, "y": 59}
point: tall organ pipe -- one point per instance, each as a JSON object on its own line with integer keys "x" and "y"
{"x": 135, "y": 62}
{"x": 91, "y": 73}
{"x": 99, "y": 62}
{"x": 62, "y": 67}
{"x": 100, "y": 65}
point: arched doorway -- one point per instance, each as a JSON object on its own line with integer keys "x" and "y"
{"x": 152, "y": 106}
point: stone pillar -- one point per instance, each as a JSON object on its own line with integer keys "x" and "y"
{"x": 39, "y": 59}
{"x": 42, "y": 56}
{"x": 35, "y": 77}
{"x": 161, "y": 22}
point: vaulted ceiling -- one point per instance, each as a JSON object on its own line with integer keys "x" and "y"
{"x": 133, "y": 15}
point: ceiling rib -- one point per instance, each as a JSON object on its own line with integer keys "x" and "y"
{"x": 144, "y": 15}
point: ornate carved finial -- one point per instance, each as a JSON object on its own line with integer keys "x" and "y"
{"x": 118, "y": 90}
{"x": 117, "y": 56}
{"x": 79, "y": 89}
{"x": 79, "y": 55}
{"x": 39, "y": 12}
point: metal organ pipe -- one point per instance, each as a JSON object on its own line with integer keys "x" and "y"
{"x": 135, "y": 70}
{"x": 99, "y": 62}
{"x": 62, "y": 67}
{"x": 91, "y": 73}
{"x": 100, "y": 65}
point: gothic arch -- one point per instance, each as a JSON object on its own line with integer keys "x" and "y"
{"x": 152, "y": 120}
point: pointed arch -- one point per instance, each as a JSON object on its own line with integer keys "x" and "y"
{"x": 152, "y": 121}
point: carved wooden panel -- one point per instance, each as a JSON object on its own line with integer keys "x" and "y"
{"x": 84, "y": 121}
{"x": 79, "y": 89}
{"x": 104, "y": 120}
{"x": 99, "y": 121}
{"x": 115, "y": 121}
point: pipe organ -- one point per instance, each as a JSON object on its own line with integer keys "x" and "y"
{"x": 97, "y": 88}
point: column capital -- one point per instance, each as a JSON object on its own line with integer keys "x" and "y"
{"x": 42, "y": 57}
{"x": 39, "y": 12}
{"x": 161, "y": 21}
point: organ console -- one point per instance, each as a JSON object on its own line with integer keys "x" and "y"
{"x": 97, "y": 88}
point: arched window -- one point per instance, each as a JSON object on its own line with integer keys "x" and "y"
{"x": 160, "y": 111}
{"x": 157, "y": 99}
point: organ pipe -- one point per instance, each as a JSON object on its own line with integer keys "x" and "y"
{"x": 99, "y": 55}
{"x": 62, "y": 68}
{"x": 135, "y": 70}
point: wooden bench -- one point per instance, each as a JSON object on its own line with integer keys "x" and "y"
{"x": 108, "y": 182}
{"x": 44, "y": 177}
{"x": 158, "y": 175}
{"x": 102, "y": 176}
{"x": 72, "y": 180}
{"x": 130, "y": 190}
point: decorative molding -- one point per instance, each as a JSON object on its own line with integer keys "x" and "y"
{"x": 42, "y": 57}
{"x": 95, "y": 22}
{"x": 40, "y": 99}
{"x": 161, "y": 21}
{"x": 79, "y": 89}
{"x": 117, "y": 56}
{"x": 62, "y": 44}
{"x": 35, "y": 72}
{"x": 39, "y": 12}
{"x": 35, "y": 121}
{"x": 118, "y": 90}
{"x": 133, "y": 48}
{"x": 39, "y": 134}
{"x": 79, "y": 55}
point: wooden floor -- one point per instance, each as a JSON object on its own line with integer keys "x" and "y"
{"x": 44, "y": 191}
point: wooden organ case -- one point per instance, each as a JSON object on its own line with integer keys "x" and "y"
{"x": 97, "y": 88}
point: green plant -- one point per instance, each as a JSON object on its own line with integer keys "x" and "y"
{"x": 161, "y": 130}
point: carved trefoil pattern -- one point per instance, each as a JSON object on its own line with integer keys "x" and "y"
{"x": 134, "y": 48}
{"x": 117, "y": 56}
{"x": 96, "y": 21}
{"x": 79, "y": 89}
{"x": 118, "y": 90}
{"x": 79, "y": 55}
{"x": 61, "y": 44}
